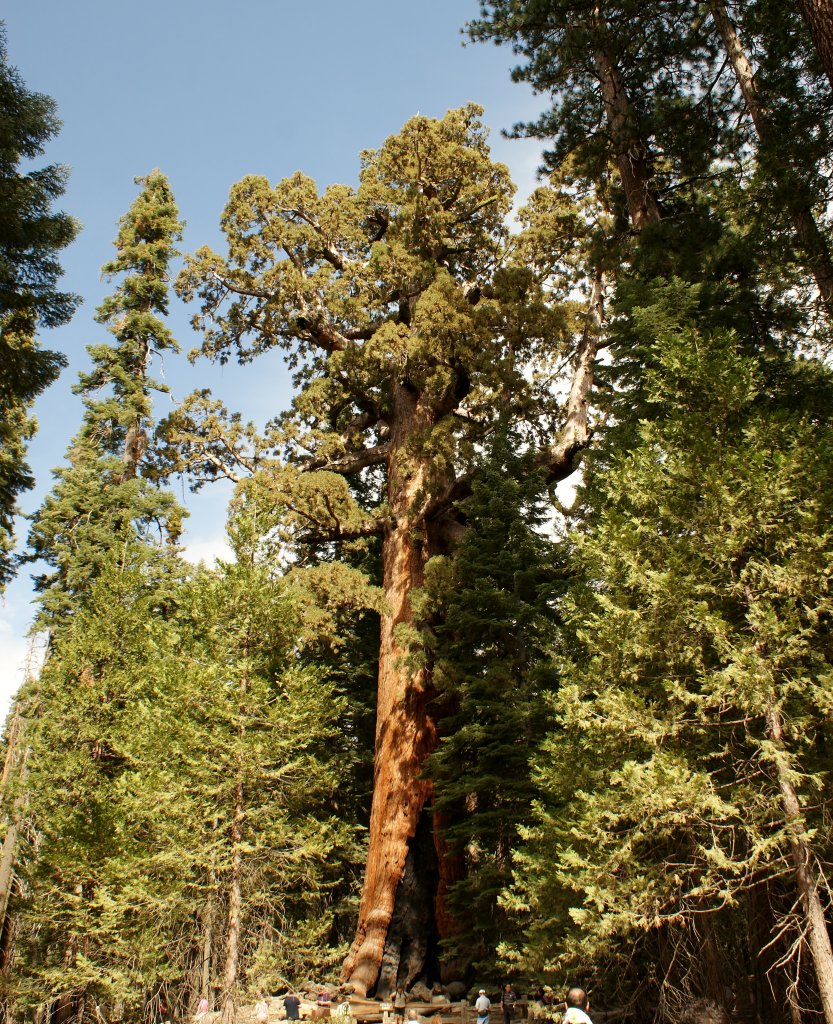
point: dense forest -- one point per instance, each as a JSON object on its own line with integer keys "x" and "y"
{"x": 429, "y": 724}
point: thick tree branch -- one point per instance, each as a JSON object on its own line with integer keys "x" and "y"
{"x": 354, "y": 462}
{"x": 322, "y": 533}
{"x": 321, "y": 333}
{"x": 442, "y": 503}
{"x": 222, "y": 468}
{"x": 327, "y": 251}
{"x": 561, "y": 457}
{"x": 313, "y": 326}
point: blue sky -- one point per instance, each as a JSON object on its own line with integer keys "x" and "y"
{"x": 209, "y": 92}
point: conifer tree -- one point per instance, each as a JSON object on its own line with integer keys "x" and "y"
{"x": 105, "y": 900}
{"x": 31, "y": 236}
{"x": 265, "y": 763}
{"x": 183, "y": 834}
{"x": 614, "y": 93}
{"x": 690, "y": 764}
{"x": 102, "y": 499}
{"x": 733, "y": 150}
{"x": 790, "y": 122}
{"x": 488, "y": 610}
{"x": 102, "y": 520}
{"x": 673, "y": 97}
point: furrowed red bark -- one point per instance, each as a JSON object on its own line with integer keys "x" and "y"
{"x": 405, "y": 731}
{"x": 810, "y": 237}
{"x": 451, "y": 869}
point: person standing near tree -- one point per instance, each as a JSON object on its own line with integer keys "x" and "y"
{"x": 399, "y": 1005}
{"x": 323, "y": 1002}
{"x": 577, "y": 1006}
{"x": 508, "y": 998}
{"x": 483, "y": 1006}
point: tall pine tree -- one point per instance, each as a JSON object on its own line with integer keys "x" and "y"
{"x": 102, "y": 499}
{"x": 32, "y": 235}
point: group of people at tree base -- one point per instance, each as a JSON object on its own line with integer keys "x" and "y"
{"x": 575, "y": 1005}
{"x": 291, "y": 1006}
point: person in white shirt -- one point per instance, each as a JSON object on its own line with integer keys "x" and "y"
{"x": 577, "y": 1006}
{"x": 483, "y": 1006}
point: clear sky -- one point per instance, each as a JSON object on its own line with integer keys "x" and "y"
{"x": 210, "y": 91}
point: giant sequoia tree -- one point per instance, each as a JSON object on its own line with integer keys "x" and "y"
{"x": 411, "y": 332}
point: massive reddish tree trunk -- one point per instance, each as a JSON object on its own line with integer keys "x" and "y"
{"x": 410, "y": 870}
{"x": 405, "y": 734}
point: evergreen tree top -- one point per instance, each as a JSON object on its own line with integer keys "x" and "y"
{"x": 102, "y": 498}
{"x": 31, "y": 233}
{"x": 31, "y": 236}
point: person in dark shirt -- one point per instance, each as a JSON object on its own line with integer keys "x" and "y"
{"x": 507, "y": 1002}
{"x": 292, "y": 1004}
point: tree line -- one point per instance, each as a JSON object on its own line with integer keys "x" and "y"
{"x": 429, "y": 724}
